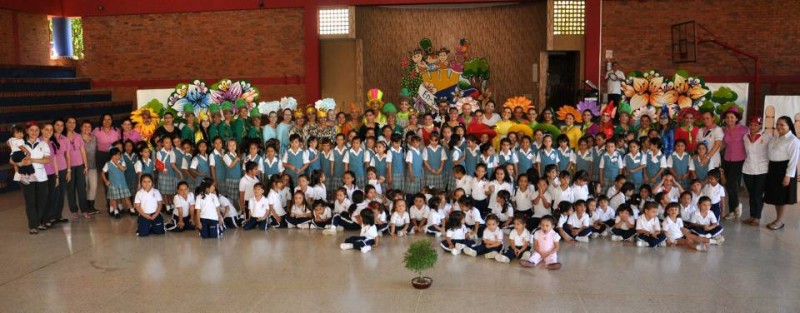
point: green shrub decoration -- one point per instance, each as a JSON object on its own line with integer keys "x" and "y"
{"x": 420, "y": 256}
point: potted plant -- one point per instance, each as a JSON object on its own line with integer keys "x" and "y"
{"x": 420, "y": 257}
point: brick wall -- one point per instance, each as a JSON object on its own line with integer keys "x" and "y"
{"x": 639, "y": 34}
{"x": 34, "y": 38}
{"x": 511, "y": 37}
{"x": 131, "y": 50}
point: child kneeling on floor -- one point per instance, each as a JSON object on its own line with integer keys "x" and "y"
{"x": 368, "y": 236}
{"x": 545, "y": 246}
{"x": 457, "y": 235}
{"x": 148, "y": 205}
{"x": 209, "y": 216}
{"x": 258, "y": 208}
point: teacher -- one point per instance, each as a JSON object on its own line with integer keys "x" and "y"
{"x": 712, "y": 136}
{"x": 35, "y": 192}
{"x": 733, "y": 159}
{"x": 755, "y": 168}
{"x": 784, "y": 150}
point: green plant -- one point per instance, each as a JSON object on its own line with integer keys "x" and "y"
{"x": 420, "y": 256}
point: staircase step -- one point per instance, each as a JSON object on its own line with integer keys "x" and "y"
{"x": 79, "y": 110}
{"x": 43, "y": 84}
{"x": 19, "y": 98}
{"x": 36, "y": 71}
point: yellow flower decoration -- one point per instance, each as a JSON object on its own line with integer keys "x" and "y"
{"x": 569, "y": 110}
{"x": 684, "y": 92}
{"x": 145, "y": 130}
{"x": 515, "y": 102}
{"x": 644, "y": 90}
{"x": 224, "y": 85}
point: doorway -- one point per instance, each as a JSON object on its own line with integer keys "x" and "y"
{"x": 338, "y": 70}
{"x": 562, "y": 78}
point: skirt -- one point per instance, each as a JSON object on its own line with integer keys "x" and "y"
{"x": 118, "y": 192}
{"x": 231, "y": 190}
{"x": 336, "y": 182}
{"x": 132, "y": 182}
{"x": 398, "y": 181}
{"x": 414, "y": 187}
{"x": 776, "y": 193}
{"x": 435, "y": 181}
{"x": 167, "y": 183}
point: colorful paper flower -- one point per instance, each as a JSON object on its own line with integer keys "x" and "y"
{"x": 472, "y": 102}
{"x": 325, "y": 105}
{"x": 267, "y": 107}
{"x": 685, "y": 92}
{"x": 641, "y": 91}
{"x": 518, "y": 102}
{"x": 589, "y": 105}
{"x": 196, "y": 94}
{"x": 288, "y": 103}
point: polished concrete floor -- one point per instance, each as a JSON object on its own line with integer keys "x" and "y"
{"x": 98, "y": 265}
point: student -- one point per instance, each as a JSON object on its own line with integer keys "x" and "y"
{"x": 414, "y": 163}
{"x": 457, "y": 236}
{"x": 296, "y": 160}
{"x": 611, "y": 164}
{"x": 368, "y": 236}
{"x": 525, "y": 155}
{"x": 648, "y": 228}
{"x": 356, "y": 161}
{"x": 500, "y": 183}
{"x": 396, "y": 162}
{"x": 169, "y": 177}
{"x": 634, "y": 164}
{"x": 655, "y": 162}
{"x": 340, "y": 153}
{"x": 209, "y": 216}
{"x": 678, "y": 235}
{"x": 246, "y": 184}
{"x": 545, "y": 246}
{"x": 579, "y": 223}
{"x": 322, "y": 215}
{"x": 373, "y": 181}
{"x": 19, "y": 151}
{"x": 419, "y": 214}
{"x": 129, "y": 159}
{"x": 148, "y": 205}
{"x": 472, "y": 216}
{"x": 379, "y": 162}
{"x": 546, "y": 156}
{"x": 563, "y": 192}
{"x": 183, "y": 214}
{"x": 434, "y": 158}
{"x": 341, "y": 201}
{"x": 252, "y": 155}
{"x": 598, "y": 151}
{"x": 522, "y": 199}
{"x": 314, "y": 156}
{"x": 622, "y": 196}
{"x": 277, "y": 211}
{"x": 583, "y": 157}
{"x": 618, "y": 182}
{"x": 233, "y": 172}
{"x": 480, "y": 190}
{"x": 145, "y": 164}
{"x": 687, "y": 209}
{"x": 492, "y": 240}
{"x": 300, "y": 214}
{"x": 624, "y": 224}
{"x": 566, "y": 157}
{"x": 400, "y": 221}
{"x": 381, "y": 216}
{"x": 200, "y": 166}
{"x": 218, "y": 168}
{"x": 507, "y": 155}
{"x": 518, "y": 243}
{"x": 488, "y": 158}
{"x": 703, "y": 162}
{"x": 462, "y": 180}
{"x": 580, "y": 185}
{"x": 326, "y": 165}
{"x": 542, "y": 204}
{"x": 680, "y": 164}
{"x": 114, "y": 178}
{"x": 471, "y": 155}
{"x": 318, "y": 188}
{"x": 716, "y": 193}
{"x": 258, "y": 208}
{"x": 435, "y": 218}
{"x": 503, "y": 209}
{"x": 230, "y": 215}
{"x": 706, "y": 225}
{"x": 603, "y": 218}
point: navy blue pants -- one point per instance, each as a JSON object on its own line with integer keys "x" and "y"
{"x": 468, "y": 243}
{"x": 481, "y": 249}
{"x": 698, "y": 229}
{"x": 147, "y": 227}
{"x": 482, "y": 206}
{"x": 297, "y": 220}
{"x": 625, "y": 234}
{"x": 321, "y": 224}
{"x": 605, "y": 225}
{"x": 510, "y": 252}
{"x": 583, "y": 233}
{"x": 359, "y": 241}
{"x": 274, "y": 222}
{"x": 187, "y": 224}
{"x": 399, "y": 229}
{"x": 344, "y": 220}
{"x": 716, "y": 209}
{"x": 430, "y": 230}
{"x": 653, "y": 241}
{"x": 481, "y": 228}
{"x": 209, "y": 228}
{"x": 382, "y": 227}
{"x": 254, "y": 222}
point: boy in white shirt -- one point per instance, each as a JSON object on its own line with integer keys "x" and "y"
{"x": 648, "y": 227}
{"x": 258, "y": 207}
{"x": 246, "y": 184}
{"x": 183, "y": 214}
{"x": 400, "y": 221}
{"x": 716, "y": 193}
{"x": 603, "y": 218}
{"x": 148, "y": 204}
{"x": 624, "y": 224}
{"x": 578, "y": 226}
{"x": 472, "y": 217}
{"x": 492, "y": 242}
{"x": 463, "y": 180}
{"x": 419, "y": 214}
{"x": 705, "y": 224}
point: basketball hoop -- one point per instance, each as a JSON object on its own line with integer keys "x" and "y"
{"x": 684, "y": 42}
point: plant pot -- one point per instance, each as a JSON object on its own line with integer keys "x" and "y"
{"x": 421, "y": 282}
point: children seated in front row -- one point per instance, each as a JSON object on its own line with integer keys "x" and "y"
{"x": 183, "y": 214}
{"x": 705, "y": 224}
{"x": 624, "y": 224}
{"x": 578, "y": 225}
{"x": 457, "y": 236}
{"x": 258, "y": 208}
{"x": 492, "y": 240}
{"x": 648, "y": 228}
{"x": 545, "y": 246}
{"x": 678, "y": 235}
{"x": 400, "y": 222}
{"x": 518, "y": 243}
{"x": 368, "y": 236}
{"x": 148, "y": 205}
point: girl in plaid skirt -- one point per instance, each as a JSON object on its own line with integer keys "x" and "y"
{"x": 415, "y": 177}
{"x": 326, "y": 165}
{"x": 233, "y": 173}
{"x": 114, "y": 178}
{"x": 339, "y": 153}
{"x": 396, "y": 164}
{"x": 169, "y": 177}
{"x": 455, "y": 157}
{"x": 434, "y": 157}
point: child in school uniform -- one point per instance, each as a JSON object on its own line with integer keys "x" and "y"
{"x": 471, "y": 155}
{"x": 169, "y": 177}
{"x": 603, "y": 218}
{"x": 454, "y": 157}
{"x": 655, "y": 162}
{"x": 356, "y": 161}
{"x": 208, "y": 215}
{"x": 415, "y": 166}
{"x": 545, "y": 246}
{"x": 480, "y": 190}
{"x": 326, "y": 165}
{"x": 230, "y": 215}
{"x": 624, "y": 224}
{"x": 400, "y": 221}
{"x": 611, "y": 165}
{"x": 507, "y": 155}
{"x": 349, "y": 184}
{"x": 433, "y": 158}
{"x": 233, "y": 173}
{"x": 272, "y": 164}
{"x": 565, "y": 210}
{"x": 218, "y": 168}
{"x": 680, "y": 164}
{"x": 246, "y": 184}
{"x": 618, "y": 182}
{"x": 322, "y": 215}
{"x": 145, "y": 164}
{"x": 497, "y": 205}
{"x": 635, "y": 163}
{"x": 396, "y": 162}
{"x": 419, "y": 214}
{"x": 296, "y": 160}
{"x": 622, "y": 196}
{"x": 598, "y": 150}
{"x": 258, "y": 207}
{"x": 648, "y": 228}
{"x": 580, "y": 185}
{"x": 678, "y": 235}
{"x": 546, "y": 156}
{"x": 518, "y": 243}
{"x": 252, "y": 155}
{"x": 183, "y": 214}
{"x": 130, "y": 158}
{"x": 491, "y": 242}
{"x": 522, "y": 199}
{"x": 716, "y": 192}
{"x": 114, "y": 177}
{"x": 380, "y": 161}
{"x": 563, "y": 192}
{"x": 542, "y": 204}
{"x": 300, "y": 213}
{"x": 670, "y": 187}
{"x": 286, "y": 192}
{"x": 435, "y": 219}
{"x": 472, "y": 217}
{"x": 462, "y": 180}
{"x": 200, "y": 166}
{"x": 488, "y": 158}
{"x": 525, "y": 155}
{"x": 317, "y": 186}
{"x": 381, "y": 216}
{"x": 277, "y": 211}
{"x": 314, "y": 155}
{"x": 584, "y": 157}
{"x": 148, "y": 205}
{"x": 368, "y": 236}
{"x": 702, "y": 163}
{"x": 705, "y": 223}
{"x": 687, "y": 209}
{"x": 578, "y": 226}
{"x": 457, "y": 236}
{"x": 566, "y": 157}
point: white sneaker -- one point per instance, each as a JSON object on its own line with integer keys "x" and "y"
{"x": 502, "y": 258}
{"x": 526, "y": 255}
{"x": 700, "y": 247}
{"x": 491, "y": 255}
{"x": 329, "y": 226}
{"x": 470, "y": 252}
{"x": 594, "y": 235}
{"x": 290, "y": 225}
{"x": 329, "y": 232}
{"x": 583, "y": 239}
{"x": 455, "y": 251}
{"x": 411, "y": 232}
{"x": 719, "y": 239}
{"x": 312, "y": 226}
{"x": 642, "y": 243}
{"x": 707, "y": 236}
{"x": 438, "y": 234}
{"x": 339, "y": 228}
{"x": 401, "y": 234}
{"x": 366, "y": 249}
{"x": 616, "y": 238}
{"x": 346, "y": 246}
{"x": 305, "y": 226}
{"x": 662, "y": 244}
{"x": 460, "y": 246}
{"x": 606, "y": 233}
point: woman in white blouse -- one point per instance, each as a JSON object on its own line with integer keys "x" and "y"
{"x": 755, "y": 168}
{"x": 35, "y": 192}
{"x": 781, "y": 187}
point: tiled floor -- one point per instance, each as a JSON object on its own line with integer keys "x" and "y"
{"x": 100, "y": 266}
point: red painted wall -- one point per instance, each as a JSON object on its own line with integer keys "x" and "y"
{"x": 25, "y": 38}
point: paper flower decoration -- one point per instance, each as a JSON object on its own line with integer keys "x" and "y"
{"x": 288, "y": 103}
{"x": 640, "y": 91}
{"x": 569, "y": 110}
{"x": 518, "y": 102}
{"x": 146, "y": 131}
{"x": 249, "y": 92}
{"x": 196, "y": 94}
{"x": 645, "y": 110}
{"x": 685, "y": 92}
{"x": 469, "y": 100}
{"x": 267, "y": 107}
{"x": 225, "y": 90}
{"x": 324, "y": 105}
{"x": 589, "y": 105}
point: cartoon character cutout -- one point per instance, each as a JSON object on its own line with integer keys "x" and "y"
{"x": 431, "y": 61}
{"x": 442, "y": 57}
{"x": 769, "y": 120}
{"x": 416, "y": 58}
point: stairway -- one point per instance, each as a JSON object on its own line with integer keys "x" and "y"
{"x": 42, "y": 94}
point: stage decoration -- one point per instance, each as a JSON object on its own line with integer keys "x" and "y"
{"x": 389, "y": 109}
{"x": 479, "y": 129}
{"x": 227, "y": 90}
{"x": 625, "y": 107}
{"x": 437, "y": 73}
{"x": 725, "y": 99}
{"x": 518, "y": 102}
{"x": 589, "y": 105}
{"x": 324, "y": 106}
{"x": 685, "y": 91}
{"x": 548, "y": 129}
{"x": 466, "y": 100}
{"x": 138, "y": 117}
{"x": 643, "y": 89}
{"x": 288, "y": 103}
{"x": 565, "y": 110}
{"x": 608, "y": 112}
{"x": 196, "y": 94}
{"x": 267, "y": 107}
{"x": 521, "y": 128}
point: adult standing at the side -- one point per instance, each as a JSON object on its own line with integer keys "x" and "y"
{"x": 62, "y": 157}
{"x": 614, "y": 77}
{"x": 75, "y": 188}
{"x": 35, "y": 192}
{"x": 712, "y": 136}
{"x": 733, "y": 159}
{"x": 90, "y": 146}
{"x": 53, "y": 176}
{"x": 755, "y": 168}
{"x": 784, "y": 151}
{"x": 105, "y": 135}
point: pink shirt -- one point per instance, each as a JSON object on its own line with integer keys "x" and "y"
{"x": 75, "y": 146}
{"x": 133, "y": 135}
{"x": 61, "y": 153}
{"x": 105, "y": 138}
{"x": 48, "y": 167}
{"x": 734, "y": 143}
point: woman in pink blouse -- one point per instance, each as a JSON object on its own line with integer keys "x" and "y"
{"x": 53, "y": 176}
{"x": 733, "y": 160}
{"x": 105, "y": 134}
{"x": 75, "y": 187}
{"x": 63, "y": 161}
{"x": 129, "y": 133}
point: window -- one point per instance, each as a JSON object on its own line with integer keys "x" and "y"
{"x": 336, "y": 22}
{"x": 568, "y": 17}
{"x": 77, "y": 39}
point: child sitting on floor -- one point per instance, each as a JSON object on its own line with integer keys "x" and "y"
{"x": 545, "y": 246}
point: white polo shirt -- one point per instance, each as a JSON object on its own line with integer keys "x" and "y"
{"x": 518, "y": 238}
{"x": 538, "y": 209}
{"x": 578, "y": 222}
{"x": 673, "y": 228}
{"x": 715, "y": 193}
{"x": 184, "y": 203}
{"x": 706, "y": 220}
{"x": 465, "y": 183}
{"x": 603, "y": 215}
{"x": 339, "y": 207}
{"x": 435, "y": 217}
{"x": 326, "y": 214}
{"x": 688, "y": 211}
{"x": 651, "y": 225}
{"x": 207, "y": 205}
{"x": 369, "y": 232}
{"x": 148, "y": 200}
{"x": 458, "y": 233}
{"x": 630, "y": 219}
{"x": 523, "y": 199}
{"x": 246, "y": 185}
{"x": 496, "y": 235}
{"x": 258, "y": 207}
{"x": 399, "y": 220}
{"x": 274, "y": 201}
{"x": 473, "y": 216}
{"x": 419, "y": 213}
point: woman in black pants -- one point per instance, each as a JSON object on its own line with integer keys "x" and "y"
{"x": 35, "y": 192}
{"x": 75, "y": 188}
{"x": 755, "y": 169}
{"x": 733, "y": 159}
